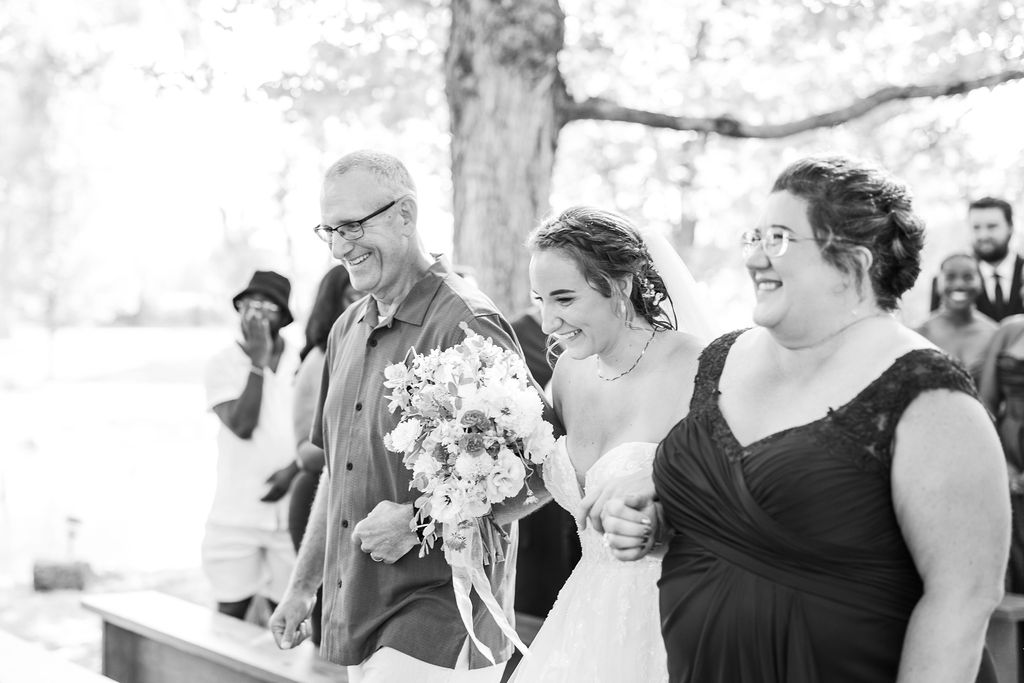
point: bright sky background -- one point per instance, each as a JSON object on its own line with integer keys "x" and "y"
{"x": 158, "y": 178}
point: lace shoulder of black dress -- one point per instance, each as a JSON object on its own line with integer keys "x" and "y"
{"x": 869, "y": 421}
{"x": 709, "y": 370}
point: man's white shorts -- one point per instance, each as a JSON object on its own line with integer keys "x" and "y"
{"x": 241, "y": 562}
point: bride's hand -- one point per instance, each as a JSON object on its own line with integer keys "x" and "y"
{"x": 638, "y": 486}
{"x": 630, "y": 531}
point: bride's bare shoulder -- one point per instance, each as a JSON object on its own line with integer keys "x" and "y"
{"x": 566, "y": 370}
{"x": 683, "y": 346}
{"x": 564, "y": 375}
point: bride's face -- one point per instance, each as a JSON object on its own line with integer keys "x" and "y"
{"x": 582, "y": 319}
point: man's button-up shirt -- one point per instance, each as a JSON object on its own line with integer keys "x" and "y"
{"x": 409, "y": 605}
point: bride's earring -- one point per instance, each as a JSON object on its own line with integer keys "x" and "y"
{"x": 625, "y": 311}
{"x": 620, "y": 309}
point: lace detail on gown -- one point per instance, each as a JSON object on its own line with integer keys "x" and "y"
{"x": 604, "y": 626}
{"x": 861, "y": 430}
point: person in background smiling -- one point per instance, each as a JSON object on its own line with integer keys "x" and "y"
{"x": 958, "y": 328}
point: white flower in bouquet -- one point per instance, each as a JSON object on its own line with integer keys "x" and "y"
{"x": 432, "y": 401}
{"x": 451, "y": 502}
{"x": 524, "y": 412}
{"x": 474, "y": 467}
{"x": 403, "y": 438}
{"x": 505, "y": 480}
{"x": 541, "y": 443}
{"x": 425, "y": 465}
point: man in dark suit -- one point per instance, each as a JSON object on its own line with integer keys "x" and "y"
{"x": 991, "y": 221}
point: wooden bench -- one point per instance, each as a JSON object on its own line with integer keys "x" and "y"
{"x": 25, "y": 662}
{"x": 1002, "y": 637}
{"x": 150, "y": 637}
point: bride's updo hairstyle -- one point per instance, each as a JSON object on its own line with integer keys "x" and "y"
{"x": 607, "y": 247}
{"x": 850, "y": 204}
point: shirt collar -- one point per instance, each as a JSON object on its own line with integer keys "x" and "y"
{"x": 413, "y": 308}
{"x": 1004, "y": 269}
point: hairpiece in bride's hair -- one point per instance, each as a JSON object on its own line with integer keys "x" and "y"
{"x": 647, "y": 291}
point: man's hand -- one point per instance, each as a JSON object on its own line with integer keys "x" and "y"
{"x": 290, "y": 621}
{"x": 279, "y": 482}
{"x": 257, "y": 342}
{"x": 385, "y": 534}
{"x": 637, "y": 487}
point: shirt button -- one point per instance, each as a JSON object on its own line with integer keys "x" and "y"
{"x": 344, "y": 524}
{"x": 359, "y": 406}
{"x": 348, "y": 466}
{"x": 339, "y": 583}
{"x": 373, "y": 342}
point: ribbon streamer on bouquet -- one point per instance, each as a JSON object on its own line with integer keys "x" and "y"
{"x": 468, "y": 574}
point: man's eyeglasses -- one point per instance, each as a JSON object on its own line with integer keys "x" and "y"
{"x": 349, "y": 230}
{"x": 773, "y": 241}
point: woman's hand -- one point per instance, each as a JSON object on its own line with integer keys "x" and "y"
{"x": 630, "y": 530}
{"x": 636, "y": 488}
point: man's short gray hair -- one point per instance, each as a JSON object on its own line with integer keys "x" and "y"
{"x": 392, "y": 173}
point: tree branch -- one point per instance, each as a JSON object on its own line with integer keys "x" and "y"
{"x": 600, "y": 109}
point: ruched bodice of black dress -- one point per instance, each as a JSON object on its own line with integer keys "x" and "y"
{"x": 787, "y": 564}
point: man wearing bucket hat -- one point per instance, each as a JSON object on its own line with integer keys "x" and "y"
{"x": 247, "y": 549}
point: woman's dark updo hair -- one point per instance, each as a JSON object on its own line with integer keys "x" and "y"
{"x": 852, "y": 203}
{"x": 333, "y": 296}
{"x": 607, "y": 247}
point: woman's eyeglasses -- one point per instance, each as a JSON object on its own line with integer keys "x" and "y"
{"x": 773, "y": 242}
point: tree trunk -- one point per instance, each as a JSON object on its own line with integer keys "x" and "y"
{"x": 504, "y": 94}
{"x": 683, "y": 236}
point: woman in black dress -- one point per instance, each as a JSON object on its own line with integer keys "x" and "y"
{"x": 333, "y": 296}
{"x": 837, "y": 492}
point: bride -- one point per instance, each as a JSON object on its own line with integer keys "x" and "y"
{"x": 623, "y": 379}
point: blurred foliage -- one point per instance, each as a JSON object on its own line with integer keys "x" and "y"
{"x": 315, "y": 79}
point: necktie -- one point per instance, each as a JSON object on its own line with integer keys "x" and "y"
{"x": 999, "y": 301}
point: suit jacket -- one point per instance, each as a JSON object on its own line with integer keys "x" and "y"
{"x": 1013, "y": 301}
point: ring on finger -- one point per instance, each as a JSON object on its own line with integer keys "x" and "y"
{"x": 607, "y": 537}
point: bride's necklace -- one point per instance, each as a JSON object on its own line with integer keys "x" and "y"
{"x": 631, "y": 367}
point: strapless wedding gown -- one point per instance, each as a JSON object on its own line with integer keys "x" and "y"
{"x": 604, "y": 626}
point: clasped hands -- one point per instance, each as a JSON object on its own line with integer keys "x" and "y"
{"x": 625, "y": 511}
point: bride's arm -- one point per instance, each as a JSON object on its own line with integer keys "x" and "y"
{"x": 516, "y": 508}
{"x": 636, "y": 487}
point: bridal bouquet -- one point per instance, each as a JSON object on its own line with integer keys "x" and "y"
{"x": 471, "y": 430}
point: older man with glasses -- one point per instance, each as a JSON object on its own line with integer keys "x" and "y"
{"x": 389, "y": 615}
{"x": 247, "y": 550}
